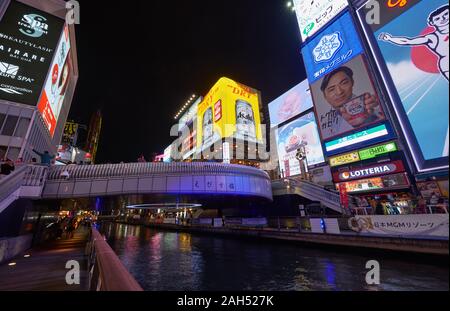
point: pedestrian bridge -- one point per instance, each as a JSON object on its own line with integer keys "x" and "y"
{"x": 156, "y": 178}
{"x": 78, "y": 181}
{"x": 192, "y": 179}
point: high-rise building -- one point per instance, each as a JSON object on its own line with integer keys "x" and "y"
{"x": 95, "y": 127}
{"x": 38, "y": 79}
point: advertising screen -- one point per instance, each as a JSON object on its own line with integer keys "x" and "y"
{"x": 345, "y": 100}
{"x": 377, "y": 183}
{"x": 230, "y": 109}
{"x": 290, "y": 104}
{"x": 291, "y": 136}
{"x": 376, "y": 151}
{"x": 313, "y": 15}
{"x": 190, "y": 115}
{"x": 371, "y": 135}
{"x": 28, "y": 38}
{"x": 54, "y": 91}
{"x": 70, "y": 133}
{"x": 168, "y": 154}
{"x": 417, "y": 61}
{"x": 344, "y": 159}
{"x": 336, "y": 45}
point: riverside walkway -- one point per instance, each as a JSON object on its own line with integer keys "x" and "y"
{"x": 44, "y": 267}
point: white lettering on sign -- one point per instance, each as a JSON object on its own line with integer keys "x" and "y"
{"x": 369, "y": 172}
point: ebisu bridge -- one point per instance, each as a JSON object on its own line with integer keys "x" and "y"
{"x": 153, "y": 180}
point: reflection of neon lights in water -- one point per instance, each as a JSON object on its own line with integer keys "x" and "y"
{"x": 330, "y": 271}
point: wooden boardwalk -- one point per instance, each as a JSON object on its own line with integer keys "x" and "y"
{"x": 45, "y": 269}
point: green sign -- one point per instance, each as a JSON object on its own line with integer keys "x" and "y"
{"x": 373, "y": 152}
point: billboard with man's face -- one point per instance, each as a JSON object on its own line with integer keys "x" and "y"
{"x": 345, "y": 100}
{"x": 417, "y": 61}
{"x": 230, "y": 109}
{"x": 28, "y": 38}
{"x": 290, "y": 104}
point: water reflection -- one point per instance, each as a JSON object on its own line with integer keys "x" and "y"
{"x": 181, "y": 261}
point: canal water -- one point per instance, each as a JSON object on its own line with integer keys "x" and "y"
{"x": 171, "y": 261}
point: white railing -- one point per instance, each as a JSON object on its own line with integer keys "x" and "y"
{"x": 35, "y": 176}
{"x": 143, "y": 169}
{"x": 26, "y": 175}
{"x": 12, "y": 182}
{"x": 314, "y": 192}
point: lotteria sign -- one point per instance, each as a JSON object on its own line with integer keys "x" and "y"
{"x": 371, "y": 171}
{"x": 373, "y": 152}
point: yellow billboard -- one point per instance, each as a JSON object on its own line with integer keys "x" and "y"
{"x": 344, "y": 159}
{"x": 230, "y": 109}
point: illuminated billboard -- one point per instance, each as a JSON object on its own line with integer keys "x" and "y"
{"x": 414, "y": 63}
{"x": 313, "y": 15}
{"x": 335, "y": 45}
{"x": 345, "y": 100}
{"x": 354, "y": 141}
{"x": 167, "y": 154}
{"x": 190, "y": 115}
{"x": 302, "y": 131}
{"x": 55, "y": 88}
{"x": 28, "y": 38}
{"x": 230, "y": 109}
{"x": 292, "y": 103}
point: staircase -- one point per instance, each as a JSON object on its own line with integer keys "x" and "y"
{"x": 310, "y": 191}
{"x": 26, "y": 181}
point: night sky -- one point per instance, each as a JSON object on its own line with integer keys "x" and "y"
{"x": 140, "y": 62}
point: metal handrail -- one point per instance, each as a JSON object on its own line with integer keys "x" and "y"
{"x": 322, "y": 194}
{"x": 106, "y": 271}
{"x": 12, "y": 182}
{"x": 142, "y": 169}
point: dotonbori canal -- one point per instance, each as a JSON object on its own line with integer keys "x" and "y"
{"x": 173, "y": 261}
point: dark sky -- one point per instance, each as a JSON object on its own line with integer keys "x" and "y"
{"x": 139, "y": 62}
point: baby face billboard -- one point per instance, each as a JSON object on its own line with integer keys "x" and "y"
{"x": 345, "y": 100}
{"x": 290, "y": 104}
{"x": 291, "y": 136}
{"x": 417, "y": 61}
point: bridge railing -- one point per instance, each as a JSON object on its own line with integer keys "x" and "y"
{"x": 329, "y": 198}
{"x": 142, "y": 169}
{"x": 12, "y": 182}
{"x": 106, "y": 271}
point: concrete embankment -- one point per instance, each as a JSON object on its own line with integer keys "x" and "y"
{"x": 428, "y": 246}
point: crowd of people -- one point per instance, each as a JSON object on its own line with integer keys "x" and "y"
{"x": 388, "y": 205}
